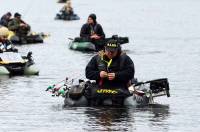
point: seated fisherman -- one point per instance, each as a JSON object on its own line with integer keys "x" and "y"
{"x": 93, "y": 31}
{"x": 19, "y": 26}
{"x": 111, "y": 68}
{"x": 67, "y": 9}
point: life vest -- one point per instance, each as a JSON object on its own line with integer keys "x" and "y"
{"x": 93, "y": 29}
{"x": 104, "y": 65}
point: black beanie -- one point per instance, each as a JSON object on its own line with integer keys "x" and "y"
{"x": 93, "y": 16}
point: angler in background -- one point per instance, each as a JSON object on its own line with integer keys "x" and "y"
{"x": 5, "y": 19}
{"x": 67, "y": 9}
{"x": 18, "y": 26}
{"x": 67, "y": 13}
{"x": 93, "y": 31}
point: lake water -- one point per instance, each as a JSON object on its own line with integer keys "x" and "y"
{"x": 164, "y": 42}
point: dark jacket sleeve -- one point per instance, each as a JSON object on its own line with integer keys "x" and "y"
{"x": 3, "y": 22}
{"x": 91, "y": 70}
{"x": 127, "y": 72}
{"x": 101, "y": 32}
{"x": 84, "y": 31}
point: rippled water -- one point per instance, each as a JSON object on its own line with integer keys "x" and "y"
{"x": 164, "y": 42}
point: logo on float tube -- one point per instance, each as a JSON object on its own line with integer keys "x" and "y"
{"x": 107, "y": 91}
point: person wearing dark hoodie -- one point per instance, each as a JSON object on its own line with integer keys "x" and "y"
{"x": 5, "y": 19}
{"x": 93, "y": 31}
{"x": 111, "y": 68}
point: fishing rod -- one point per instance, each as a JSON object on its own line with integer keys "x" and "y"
{"x": 61, "y": 90}
{"x": 53, "y": 86}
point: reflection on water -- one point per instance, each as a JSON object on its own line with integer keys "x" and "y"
{"x": 123, "y": 119}
{"x": 3, "y": 78}
{"x": 4, "y": 88}
{"x": 108, "y": 119}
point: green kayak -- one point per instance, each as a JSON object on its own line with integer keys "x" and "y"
{"x": 80, "y": 44}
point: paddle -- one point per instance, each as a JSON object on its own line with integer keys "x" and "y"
{"x": 71, "y": 39}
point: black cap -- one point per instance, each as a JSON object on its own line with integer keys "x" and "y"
{"x": 93, "y": 16}
{"x": 112, "y": 45}
{"x": 17, "y": 14}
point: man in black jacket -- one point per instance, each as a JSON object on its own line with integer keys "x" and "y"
{"x": 92, "y": 31}
{"x": 111, "y": 68}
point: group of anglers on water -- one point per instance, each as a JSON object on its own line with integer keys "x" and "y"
{"x": 19, "y": 31}
{"x": 11, "y": 61}
{"x": 110, "y": 72}
{"x": 92, "y": 36}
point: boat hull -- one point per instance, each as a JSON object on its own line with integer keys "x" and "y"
{"x": 30, "y": 70}
{"x": 27, "y": 40}
{"x": 67, "y": 17}
{"x": 82, "y": 46}
{"x": 128, "y": 101}
{"x": 88, "y": 93}
{"x": 14, "y": 64}
{"x": 4, "y": 71}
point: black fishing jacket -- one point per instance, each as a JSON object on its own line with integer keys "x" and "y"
{"x": 87, "y": 30}
{"x": 121, "y": 65}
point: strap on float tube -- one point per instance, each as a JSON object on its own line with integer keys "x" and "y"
{"x": 108, "y": 62}
{"x": 108, "y": 65}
